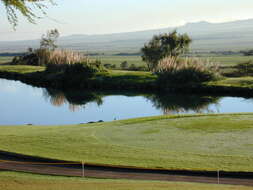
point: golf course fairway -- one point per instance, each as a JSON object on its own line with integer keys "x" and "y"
{"x": 188, "y": 142}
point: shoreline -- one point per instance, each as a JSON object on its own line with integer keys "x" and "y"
{"x": 44, "y": 80}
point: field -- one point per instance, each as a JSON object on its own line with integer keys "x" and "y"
{"x": 226, "y": 62}
{"x": 22, "y": 181}
{"x": 137, "y": 60}
{"x": 207, "y": 142}
{"x": 5, "y": 59}
{"x": 230, "y": 60}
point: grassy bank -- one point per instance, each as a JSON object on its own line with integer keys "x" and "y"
{"x": 207, "y": 142}
{"x": 122, "y": 80}
{"x": 241, "y": 82}
{"x": 21, "y": 69}
{"x": 22, "y": 181}
{"x": 111, "y": 80}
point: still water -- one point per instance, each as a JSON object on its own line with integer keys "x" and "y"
{"x": 24, "y": 104}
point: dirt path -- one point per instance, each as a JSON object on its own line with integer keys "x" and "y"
{"x": 16, "y": 162}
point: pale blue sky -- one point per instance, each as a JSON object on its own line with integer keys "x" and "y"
{"x": 113, "y": 16}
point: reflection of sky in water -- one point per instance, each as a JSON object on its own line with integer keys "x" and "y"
{"x": 22, "y": 104}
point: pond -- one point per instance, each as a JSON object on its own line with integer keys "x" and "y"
{"x": 23, "y": 104}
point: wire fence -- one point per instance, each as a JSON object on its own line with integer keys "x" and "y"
{"x": 82, "y": 164}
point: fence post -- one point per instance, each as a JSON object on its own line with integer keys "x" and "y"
{"x": 83, "y": 169}
{"x": 218, "y": 176}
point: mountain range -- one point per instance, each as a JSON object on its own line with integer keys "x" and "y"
{"x": 229, "y": 36}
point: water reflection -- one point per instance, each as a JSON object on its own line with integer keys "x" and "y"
{"x": 76, "y": 100}
{"x": 178, "y": 103}
{"x": 169, "y": 104}
{"x": 22, "y": 104}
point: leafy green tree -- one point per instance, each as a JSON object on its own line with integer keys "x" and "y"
{"x": 164, "y": 45}
{"x": 48, "y": 41}
{"x": 25, "y": 7}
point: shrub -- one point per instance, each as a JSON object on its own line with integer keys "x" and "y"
{"x": 75, "y": 75}
{"x": 75, "y": 68}
{"x": 132, "y": 67}
{"x": 28, "y": 59}
{"x": 137, "y": 68}
{"x": 245, "y": 68}
{"x": 188, "y": 70}
{"x": 113, "y": 66}
{"x": 97, "y": 65}
{"x": 108, "y": 65}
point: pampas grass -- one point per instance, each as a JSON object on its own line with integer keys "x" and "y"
{"x": 59, "y": 57}
{"x": 174, "y": 64}
{"x": 187, "y": 70}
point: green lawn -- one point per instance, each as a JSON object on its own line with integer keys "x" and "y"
{"x": 22, "y": 69}
{"x": 22, "y": 181}
{"x": 207, "y": 142}
{"x": 234, "y": 82}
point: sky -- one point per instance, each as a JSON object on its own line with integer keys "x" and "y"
{"x": 115, "y": 16}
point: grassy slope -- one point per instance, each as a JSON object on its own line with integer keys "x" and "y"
{"x": 208, "y": 142}
{"x": 21, "y": 181}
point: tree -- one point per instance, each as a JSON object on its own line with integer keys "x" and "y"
{"x": 164, "y": 45}
{"x": 124, "y": 65}
{"x": 48, "y": 41}
{"x": 247, "y": 53}
{"x": 25, "y": 7}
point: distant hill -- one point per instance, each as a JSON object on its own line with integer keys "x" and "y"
{"x": 237, "y": 35}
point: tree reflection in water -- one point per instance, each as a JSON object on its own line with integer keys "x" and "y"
{"x": 179, "y": 103}
{"x": 170, "y": 104}
{"x": 75, "y": 99}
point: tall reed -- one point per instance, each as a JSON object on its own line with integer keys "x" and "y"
{"x": 187, "y": 70}
{"x": 59, "y": 57}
